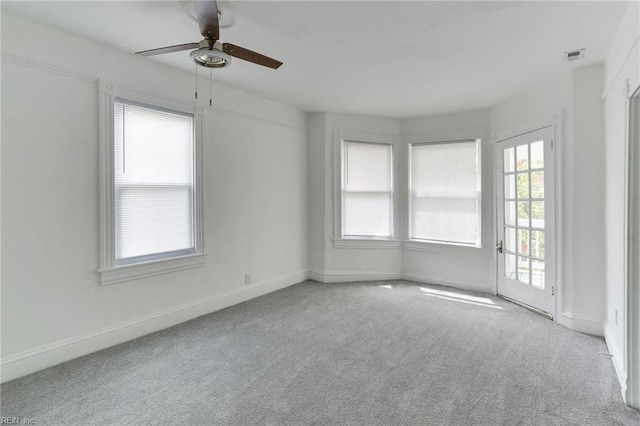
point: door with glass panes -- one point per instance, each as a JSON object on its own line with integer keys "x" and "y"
{"x": 525, "y": 219}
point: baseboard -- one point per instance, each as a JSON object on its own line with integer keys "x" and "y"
{"x": 617, "y": 358}
{"x": 462, "y": 285}
{"x": 582, "y": 324}
{"x": 316, "y": 276}
{"x": 350, "y": 276}
{"x": 32, "y": 360}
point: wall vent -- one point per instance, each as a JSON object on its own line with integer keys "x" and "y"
{"x": 574, "y": 55}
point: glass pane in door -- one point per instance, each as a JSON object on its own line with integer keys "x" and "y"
{"x": 524, "y": 213}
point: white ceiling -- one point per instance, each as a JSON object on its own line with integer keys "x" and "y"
{"x": 390, "y": 58}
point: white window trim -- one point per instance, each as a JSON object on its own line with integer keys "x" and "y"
{"x": 109, "y": 272}
{"x": 339, "y": 241}
{"x": 440, "y": 246}
{"x": 374, "y": 243}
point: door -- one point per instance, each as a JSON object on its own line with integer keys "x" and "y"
{"x": 525, "y": 219}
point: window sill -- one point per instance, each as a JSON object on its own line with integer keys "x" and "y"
{"x": 443, "y": 248}
{"x": 366, "y": 243}
{"x": 148, "y": 269}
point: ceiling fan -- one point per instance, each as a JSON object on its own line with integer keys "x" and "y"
{"x": 210, "y": 52}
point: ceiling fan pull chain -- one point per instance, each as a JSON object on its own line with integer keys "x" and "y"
{"x": 210, "y": 87}
{"x": 196, "y": 81}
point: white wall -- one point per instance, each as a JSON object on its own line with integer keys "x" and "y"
{"x": 622, "y": 72}
{"x": 349, "y": 264}
{"x": 573, "y": 100}
{"x": 255, "y": 201}
{"x": 464, "y": 267}
{"x": 586, "y": 251}
{"x": 433, "y": 262}
{"x": 633, "y": 290}
{"x": 535, "y": 107}
{"x": 269, "y": 198}
{"x": 317, "y": 179}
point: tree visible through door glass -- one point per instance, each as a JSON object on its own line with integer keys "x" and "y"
{"x": 522, "y": 157}
{"x": 537, "y": 155}
{"x": 524, "y": 219}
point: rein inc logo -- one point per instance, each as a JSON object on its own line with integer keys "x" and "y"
{"x": 16, "y": 420}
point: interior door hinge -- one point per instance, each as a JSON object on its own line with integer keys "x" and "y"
{"x": 552, "y": 145}
{"x": 553, "y": 290}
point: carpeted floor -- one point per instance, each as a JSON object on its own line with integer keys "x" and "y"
{"x": 381, "y": 353}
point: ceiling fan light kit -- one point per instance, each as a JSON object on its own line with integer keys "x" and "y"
{"x": 210, "y": 55}
{"x": 210, "y": 58}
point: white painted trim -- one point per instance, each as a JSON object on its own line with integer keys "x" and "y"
{"x": 106, "y": 98}
{"x": 632, "y": 250}
{"x": 109, "y": 272}
{"x": 443, "y": 137}
{"x": 582, "y": 324}
{"x": 142, "y": 270}
{"x": 462, "y": 285}
{"x": 351, "y": 276}
{"x": 32, "y": 360}
{"x": 444, "y": 248}
{"x": 343, "y": 135}
{"x": 246, "y": 116}
{"x": 613, "y": 81}
{"x": 316, "y": 276}
{"x": 617, "y": 359}
{"x": 559, "y": 206}
{"x": 367, "y": 243}
{"x": 503, "y": 135}
{"x": 489, "y": 240}
{"x": 403, "y": 192}
{"x": 25, "y": 62}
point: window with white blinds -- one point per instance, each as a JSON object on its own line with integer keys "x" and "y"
{"x": 153, "y": 180}
{"x": 445, "y": 192}
{"x": 367, "y": 190}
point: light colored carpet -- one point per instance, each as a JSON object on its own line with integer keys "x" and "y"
{"x": 382, "y": 353}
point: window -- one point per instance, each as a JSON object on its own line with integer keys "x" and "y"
{"x": 153, "y": 183}
{"x": 367, "y": 190}
{"x": 445, "y": 192}
{"x": 151, "y": 197}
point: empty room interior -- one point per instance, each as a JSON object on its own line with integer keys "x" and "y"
{"x": 320, "y": 212}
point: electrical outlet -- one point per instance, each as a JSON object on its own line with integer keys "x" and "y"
{"x": 247, "y": 279}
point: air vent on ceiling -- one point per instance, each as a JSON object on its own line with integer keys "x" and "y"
{"x": 574, "y": 55}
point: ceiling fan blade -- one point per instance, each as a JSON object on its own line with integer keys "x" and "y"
{"x": 168, "y": 49}
{"x": 207, "y": 12}
{"x": 251, "y": 56}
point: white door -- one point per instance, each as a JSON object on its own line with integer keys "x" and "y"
{"x": 525, "y": 219}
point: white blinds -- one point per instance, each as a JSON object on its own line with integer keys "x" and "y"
{"x": 367, "y": 195}
{"x": 154, "y": 191}
{"x": 444, "y": 192}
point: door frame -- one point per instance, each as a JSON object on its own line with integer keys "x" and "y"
{"x": 632, "y": 251}
{"x": 556, "y": 123}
